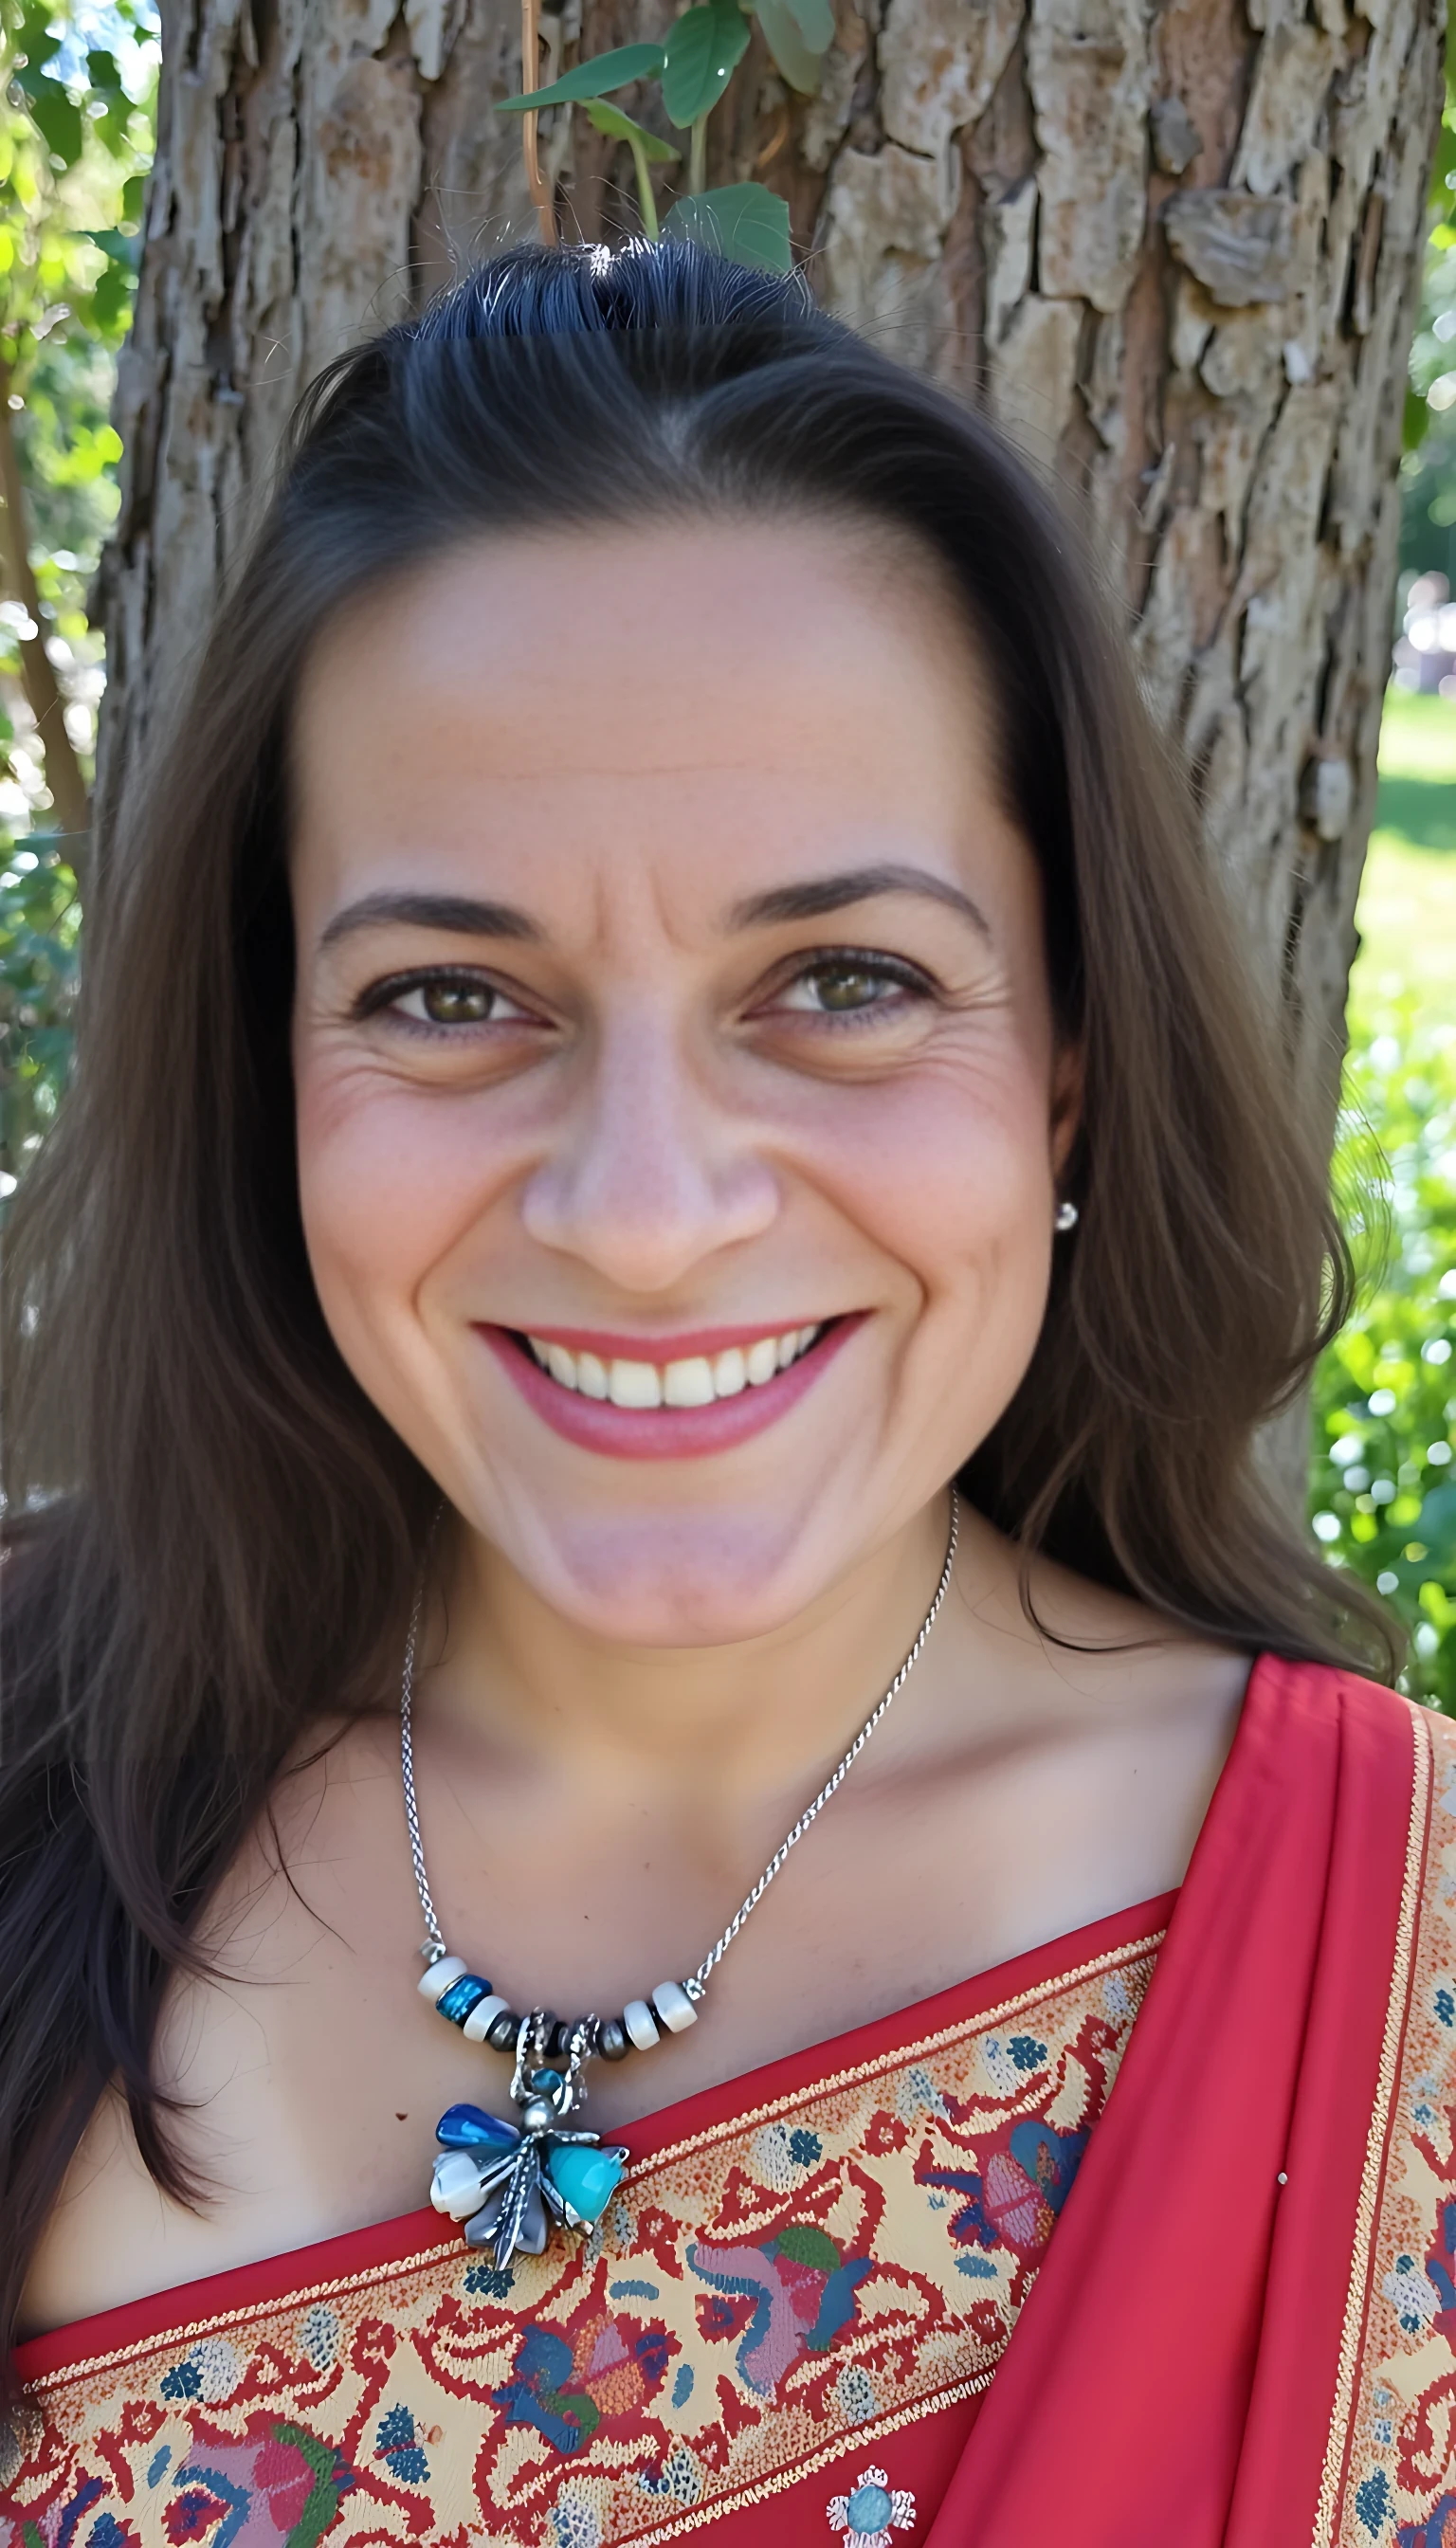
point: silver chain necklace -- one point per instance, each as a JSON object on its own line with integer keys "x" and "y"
{"x": 510, "y": 2182}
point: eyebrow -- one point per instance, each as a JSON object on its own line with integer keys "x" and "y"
{"x": 818, "y": 895}
{"x": 457, "y": 912}
{"x": 812, "y": 899}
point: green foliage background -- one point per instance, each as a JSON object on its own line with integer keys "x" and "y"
{"x": 77, "y": 123}
{"x": 1428, "y": 471}
{"x": 76, "y": 129}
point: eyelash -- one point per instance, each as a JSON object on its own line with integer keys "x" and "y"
{"x": 889, "y": 970}
{"x": 380, "y": 997}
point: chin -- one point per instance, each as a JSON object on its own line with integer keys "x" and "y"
{"x": 714, "y": 1578}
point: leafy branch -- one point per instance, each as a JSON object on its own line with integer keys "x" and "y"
{"x": 74, "y": 145}
{"x": 692, "y": 69}
{"x": 78, "y": 90}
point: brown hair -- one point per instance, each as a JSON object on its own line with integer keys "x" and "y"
{"x": 214, "y": 1532}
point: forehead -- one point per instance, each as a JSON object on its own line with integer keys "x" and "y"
{"x": 703, "y": 691}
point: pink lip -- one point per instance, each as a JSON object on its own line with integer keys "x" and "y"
{"x": 661, "y": 1432}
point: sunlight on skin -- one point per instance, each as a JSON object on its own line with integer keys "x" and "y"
{"x": 633, "y": 1102}
{"x": 661, "y": 1128}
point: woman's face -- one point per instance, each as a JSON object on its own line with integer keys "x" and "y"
{"x": 678, "y": 1103}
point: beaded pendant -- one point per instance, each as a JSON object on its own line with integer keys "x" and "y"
{"x": 510, "y": 2182}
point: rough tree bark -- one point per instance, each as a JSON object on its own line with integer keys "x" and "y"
{"x": 1175, "y": 249}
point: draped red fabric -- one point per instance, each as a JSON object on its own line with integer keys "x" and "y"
{"x": 1181, "y": 2345}
{"x": 1240, "y": 2333}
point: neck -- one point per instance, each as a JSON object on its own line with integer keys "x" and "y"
{"x": 552, "y": 1701}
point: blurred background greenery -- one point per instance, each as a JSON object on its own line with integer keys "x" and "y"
{"x": 76, "y": 124}
{"x": 77, "y": 114}
{"x": 1383, "y": 1478}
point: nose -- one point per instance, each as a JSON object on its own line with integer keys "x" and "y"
{"x": 650, "y": 1175}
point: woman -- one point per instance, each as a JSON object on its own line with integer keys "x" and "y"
{"x": 671, "y": 1146}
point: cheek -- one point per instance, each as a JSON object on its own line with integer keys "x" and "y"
{"x": 949, "y": 1171}
{"x": 387, "y": 1188}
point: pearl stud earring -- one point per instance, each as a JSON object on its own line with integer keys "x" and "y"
{"x": 1067, "y": 1216}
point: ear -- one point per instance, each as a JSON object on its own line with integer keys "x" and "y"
{"x": 1065, "y": 1117}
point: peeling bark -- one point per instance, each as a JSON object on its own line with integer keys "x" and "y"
{"x": 1176, "y": 252}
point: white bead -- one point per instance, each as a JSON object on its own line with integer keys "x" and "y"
{"x": 483, "y": 2016}
{"x": 641, "y": 2025}
{"x": 673, "y": 2007}
{"x": 457, "y": 2185}
{"x": 436, "y": 1980}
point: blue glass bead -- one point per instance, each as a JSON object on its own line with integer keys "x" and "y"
{"x": 471, "y": 2127}
{"x": 586, "y": 2178}
{"x": 546, "y": 2082}
{"x": 457, "y": 2002}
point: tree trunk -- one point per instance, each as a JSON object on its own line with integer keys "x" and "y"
{"x": 1176, "y": 253}
{"x": 69, "y": 799}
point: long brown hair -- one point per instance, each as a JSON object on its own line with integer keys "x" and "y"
{"x": 214, "y": 1533}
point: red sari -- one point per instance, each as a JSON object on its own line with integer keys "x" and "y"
{"x": 1147, "y": 2238}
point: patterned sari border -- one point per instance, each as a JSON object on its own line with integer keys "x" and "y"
{"x": 336, "y": 2286}
{"x": 1377, "y": 2142}
{"x": 895, "y": 2060}
{"x": 863, "y": 2437}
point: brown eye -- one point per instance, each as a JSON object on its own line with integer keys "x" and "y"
{"x": 846, "y": 989}
{"x": 456, "y": 1004}
{"x": 838, "y": 989}
{"x": 448, "y": 1002}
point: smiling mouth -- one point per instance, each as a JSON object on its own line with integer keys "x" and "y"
{"x": 694, "y": 1379}
{"x": 719, "y": 1388}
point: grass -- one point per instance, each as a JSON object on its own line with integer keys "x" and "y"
{"x": 1383, "y": 1476}
{"x": 1407, "y": 916}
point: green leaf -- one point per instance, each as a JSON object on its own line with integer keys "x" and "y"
{"x": 591, "y": 79}
{"x": 704, "y": 48}
{"x": 815, "y": 21}
{"x": 805, "y": 2244}
{"x": 34, "y": 34}
{"x": 111, "y": 303}
{"x": 620, "y": 127}
{"x": 801, "y": 69}
{"x": 57, "y": 120}
{"x": 746, "y": 222}
{"x": 118, "y": 246}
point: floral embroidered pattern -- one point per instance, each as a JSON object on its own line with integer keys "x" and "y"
{"x": 762, "y": 2300}
{"x": 869, "y": 2511}
{"x": 1397, "y": 2489}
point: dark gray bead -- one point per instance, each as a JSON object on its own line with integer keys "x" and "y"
{"x": 615, "y": 2043}
{"x": 504, "y": 2031}
{"x": 560, "y": 2041}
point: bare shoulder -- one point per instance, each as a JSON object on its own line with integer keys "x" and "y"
{"x": 283, "y": 1950}
{"x": 1092, "y": 1662}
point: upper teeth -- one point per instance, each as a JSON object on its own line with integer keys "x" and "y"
{"x": 695, "y": 1381}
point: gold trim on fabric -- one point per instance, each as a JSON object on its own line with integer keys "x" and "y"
{"x": 896, "y": 2058}
{"x": 48, "y": 2382}
{"x": 862, "y": 2438}
{"x": 1331, "y": 2481}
